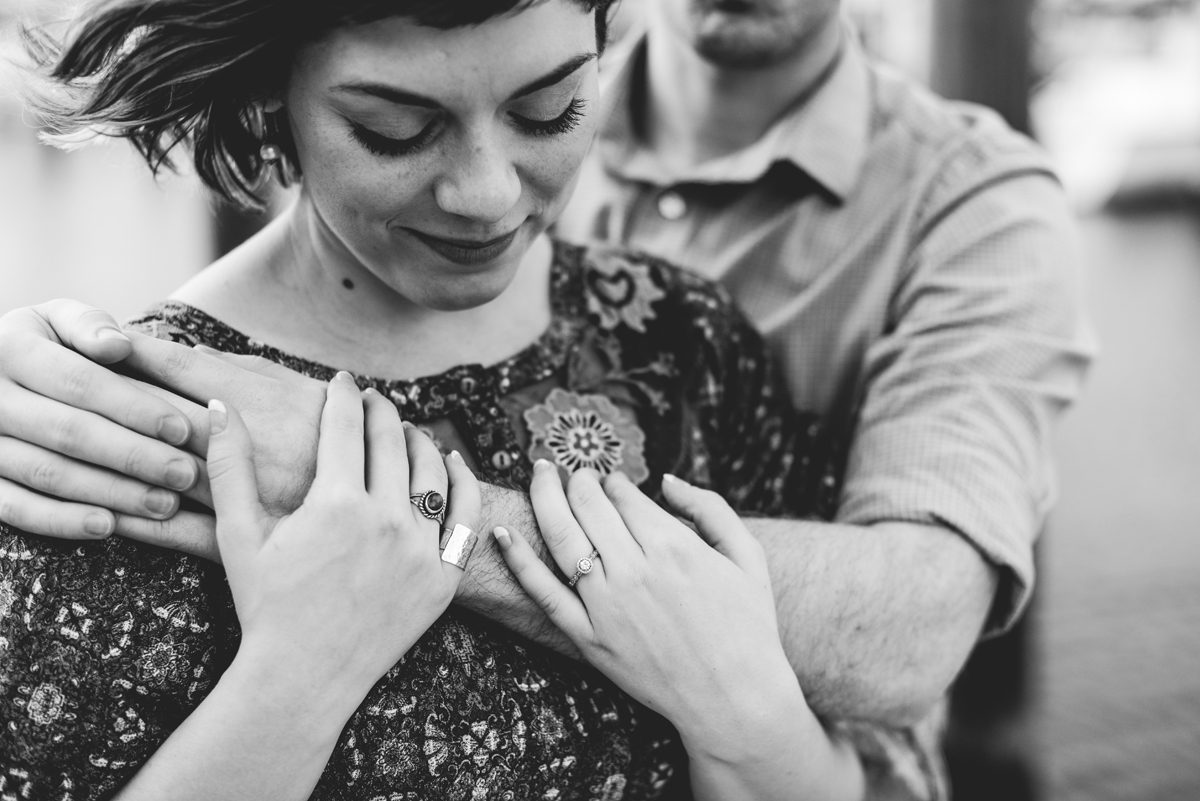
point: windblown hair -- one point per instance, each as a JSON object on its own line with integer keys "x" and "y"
{"x": 165, "y": 73}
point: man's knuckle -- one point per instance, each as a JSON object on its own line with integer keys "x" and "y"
{"x": 65, "y": 432}
{"x": 136, "y": 462}
{"x": 78, "y": 383}
{"x": 45, "y": 475}
{"x": 9, "y": 513}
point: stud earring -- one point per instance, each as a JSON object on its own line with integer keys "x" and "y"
{"x": 270, "y": 153}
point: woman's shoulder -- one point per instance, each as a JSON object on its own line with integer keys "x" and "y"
{"x": 180, "y": 322}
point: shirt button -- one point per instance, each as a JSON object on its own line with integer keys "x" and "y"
{"x": 671, "y": 206}
{"x": 502, "y": 460}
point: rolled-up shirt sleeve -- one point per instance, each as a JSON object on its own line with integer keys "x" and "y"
{"x": 986, "y": 343}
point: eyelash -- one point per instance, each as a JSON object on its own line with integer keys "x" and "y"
{"x": 563, "y": 123}
{"x": 382, "y": 145}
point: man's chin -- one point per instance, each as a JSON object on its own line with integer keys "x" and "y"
{"x": 741, "y": 44}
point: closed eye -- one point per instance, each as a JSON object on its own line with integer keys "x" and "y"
{"x": 567, "y": 121}
{"x": 382, "y": 145}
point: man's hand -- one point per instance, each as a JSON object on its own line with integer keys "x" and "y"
{"x": 95, "y": 441}
{"x": 73, "y": 429}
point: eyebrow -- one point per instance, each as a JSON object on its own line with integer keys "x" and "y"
{"x": 395, "y": 95}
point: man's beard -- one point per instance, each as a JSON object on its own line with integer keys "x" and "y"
{"x": 739, "y": 34}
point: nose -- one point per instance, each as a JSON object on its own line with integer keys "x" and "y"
{"x": 481, "y": 183}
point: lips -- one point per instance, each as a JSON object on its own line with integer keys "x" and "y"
{"x": 467, "y": 251}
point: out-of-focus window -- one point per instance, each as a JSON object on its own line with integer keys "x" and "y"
{"x": 1119, "y": 100}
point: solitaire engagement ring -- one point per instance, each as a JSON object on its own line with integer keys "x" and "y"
{"x": 584, "y": 566}
{"x": 431, "y": 505}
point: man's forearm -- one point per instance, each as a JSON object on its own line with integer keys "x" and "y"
{"x": 488, "y": 587}
{"x": 876, "y": 620}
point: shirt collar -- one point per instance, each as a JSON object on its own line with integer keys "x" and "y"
{"x": 825, "y": 135}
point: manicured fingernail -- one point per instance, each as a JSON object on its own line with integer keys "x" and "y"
{"x": 670, "y": 479}
{"x": 181, "y": 473}
{"x": 371, "y": 391}
{"x": 344, "y": 376}
{"x": 503, "y": 537}
{"x": 173, "y": 429}
{"x": 456, "y": 456}
{"x": 98, "y": 525}
{"x": 541, "y": 466}
{"x": 159, "y": 501}
{"x": 407, "y": 425}
{"x": 218, "y": 417}
{"x": 108, "y": 332}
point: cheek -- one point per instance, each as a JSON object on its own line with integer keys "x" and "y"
{"x": 352, "y": 187}
{"x": 552, "y": 164}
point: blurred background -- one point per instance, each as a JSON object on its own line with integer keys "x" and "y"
{"x": 1097, "y": 696}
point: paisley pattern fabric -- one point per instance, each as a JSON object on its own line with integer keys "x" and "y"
{"x": 105, "y": 648}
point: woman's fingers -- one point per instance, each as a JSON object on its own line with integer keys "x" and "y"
{"x": 466, "y": 508}
{"x": 342, "y": 449}
{"x": 37, "y": 514}
{"x": 426, "y": 473}
{"x": 561, "y": 531}
{"x": 387, "y": 452}
{"x": 564, "y": 608}
{"x": 234, "y": 486}
{"x": 718, "y": 524}
{"x": 601, "y": 522}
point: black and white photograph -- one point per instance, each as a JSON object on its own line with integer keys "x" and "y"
{"x": 599, "y": 400}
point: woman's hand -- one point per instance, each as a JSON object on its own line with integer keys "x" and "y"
{"x": 343, "y": 587}
{"x": 684, "y": 624}
{"x": 329, "y": 599}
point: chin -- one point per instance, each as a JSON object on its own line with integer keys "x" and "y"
{"x": 463, "y": 292}
{"x": 738, "y": 44}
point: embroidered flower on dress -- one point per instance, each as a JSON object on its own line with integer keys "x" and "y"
{"x": 8, "y": 597}
{"x": 613, "y": 789}
{"x": 620, "y": 291}
{"x": 46, "y": 704}
{"x": 587, "y": 431}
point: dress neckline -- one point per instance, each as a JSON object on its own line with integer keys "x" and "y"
{"x": 535, "y": 362}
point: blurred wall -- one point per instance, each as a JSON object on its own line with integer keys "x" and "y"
{"x": 91, "y": 224}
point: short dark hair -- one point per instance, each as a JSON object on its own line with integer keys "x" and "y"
{"x": 161, "y": 73}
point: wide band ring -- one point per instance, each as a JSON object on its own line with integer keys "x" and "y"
{"x": 457, "y": 545}
{"x": 584, "y": 566}
{"x": 431, "y": 505}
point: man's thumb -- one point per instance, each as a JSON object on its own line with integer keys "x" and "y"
{"x": 232, "y": 478}
{"x": 88, "y": 330}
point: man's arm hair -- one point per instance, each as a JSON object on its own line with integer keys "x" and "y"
{"x": 876, "y": 620}
{"x": 488, "y": 588}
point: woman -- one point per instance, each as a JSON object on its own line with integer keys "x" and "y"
{"x": 436, "y": 142}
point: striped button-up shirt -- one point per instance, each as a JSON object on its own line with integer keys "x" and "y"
{"x": 912, "y": 263}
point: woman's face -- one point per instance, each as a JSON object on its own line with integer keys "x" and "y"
{"x": 435, "y": 158}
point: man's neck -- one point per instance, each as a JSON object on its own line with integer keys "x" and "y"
{"x": 697, "y": 111}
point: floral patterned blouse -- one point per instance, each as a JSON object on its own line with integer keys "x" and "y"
{"x": 106, "y": 647}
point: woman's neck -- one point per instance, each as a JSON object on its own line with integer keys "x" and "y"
{"x": 296, "y": 287}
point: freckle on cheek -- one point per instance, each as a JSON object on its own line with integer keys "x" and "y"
{"x": 348, "y": 283}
